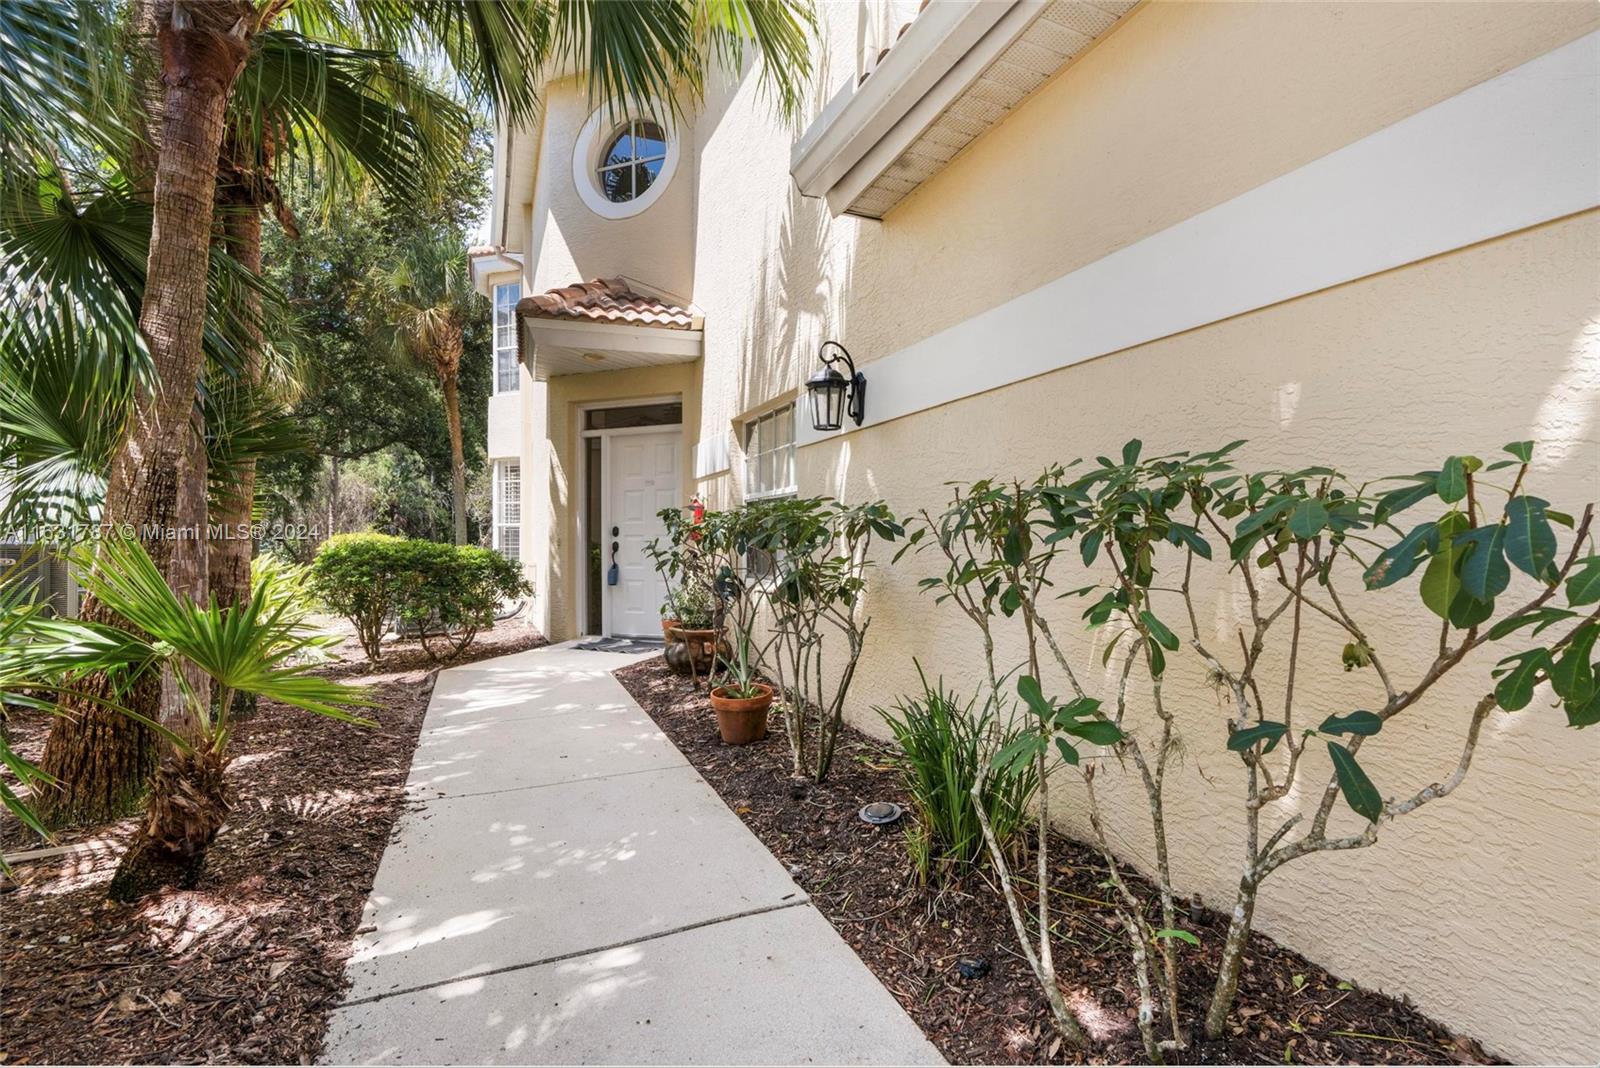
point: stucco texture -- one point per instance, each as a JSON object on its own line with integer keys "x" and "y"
{"x": 1480, "y": 907}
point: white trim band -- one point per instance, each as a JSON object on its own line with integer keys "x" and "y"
{"x": 1515, "y": 151}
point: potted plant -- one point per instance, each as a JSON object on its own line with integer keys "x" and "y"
{"x": 696, "y": 631}
{"x": 670, "y": 618}
{"x": 741, "y": 702}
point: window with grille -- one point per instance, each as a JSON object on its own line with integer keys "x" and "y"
{"x": 769, "y": 454}
{"x": 507, "y": 374}
{"x": 632, "y": 160}
{"x": 768, "y": 471}
{"x": 508, "y": 508}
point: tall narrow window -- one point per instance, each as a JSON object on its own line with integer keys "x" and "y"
{"x": 769, "y": 454}
{"x": 508, "y": 508}
{"x": 507, "y": 374}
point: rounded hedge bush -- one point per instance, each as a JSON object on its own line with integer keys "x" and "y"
{"x": 445, "y": 593}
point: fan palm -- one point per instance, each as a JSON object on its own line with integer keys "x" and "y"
{"x": 425, "y": 296}
{"x": 262, "y": 648}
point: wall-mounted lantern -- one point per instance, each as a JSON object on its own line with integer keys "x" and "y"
{"x": 834, "y": 394}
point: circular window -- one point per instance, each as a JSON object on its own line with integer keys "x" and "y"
{"x": 632, "y": 160}
{"x": 622, "y": 166}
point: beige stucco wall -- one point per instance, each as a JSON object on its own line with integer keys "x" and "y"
{"x": 570, "y": 243}
{"x": 1482, "y": 906}
{"x": 1479, "y": 908}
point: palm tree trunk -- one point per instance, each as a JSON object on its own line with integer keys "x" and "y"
{"x": 230, "y": 556}
{"x": 186, "y": 572}
{"x": 458, "y": 463}
{"x": 189, "y": 802}
{"x": 100, "y": 758}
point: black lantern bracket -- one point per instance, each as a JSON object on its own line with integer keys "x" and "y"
{"x": 835, "y": 393}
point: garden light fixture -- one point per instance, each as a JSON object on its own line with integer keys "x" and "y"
{"x": 881, "y": 813}
{"x": 834, "y": 394}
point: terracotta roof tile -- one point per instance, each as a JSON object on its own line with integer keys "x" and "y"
{"x": 607, "y": 300}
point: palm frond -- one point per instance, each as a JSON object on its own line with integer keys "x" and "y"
{"x": 349, "y": 112}
{"x": 782, "y": 31}
{"x": 65, "y": 388}
{"x": 59, "y": 97}
{"x": 262, "y": 647}
{"x": 245, "y": 423}
{"x": 87, "y": 247}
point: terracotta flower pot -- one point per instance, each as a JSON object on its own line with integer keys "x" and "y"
{"x": 668, "y": 626}
{"x": 702, "y": 643}
{"x": 742, "y": 720}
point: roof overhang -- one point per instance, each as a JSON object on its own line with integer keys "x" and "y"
{"x": 958, "y": 69}
{"x": 482, "y": 264}
{"x": 557, "y": 347}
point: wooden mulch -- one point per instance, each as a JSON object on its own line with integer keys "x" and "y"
{"x": 859, "y": 876}
{"x": 245, "y": 968}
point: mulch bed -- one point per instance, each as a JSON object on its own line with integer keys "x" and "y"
{"x": 246, "y": 967}
{"x": 860, "y": 877}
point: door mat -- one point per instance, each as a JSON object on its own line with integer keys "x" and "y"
{"x": 622, "y": 645}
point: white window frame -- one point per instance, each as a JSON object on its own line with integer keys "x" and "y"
{"x": 504, "y": 325}
{"x": 587, "y": 155}
{"x": 630, "y": 129}
{"x": 769, "y": 463}
{"x": 507, "y": 506}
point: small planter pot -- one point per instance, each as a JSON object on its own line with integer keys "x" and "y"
{"x": 668, "y": 626}
{"x": 742, "y": 720}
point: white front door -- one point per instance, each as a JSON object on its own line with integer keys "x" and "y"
{"x": 642, "y": 478}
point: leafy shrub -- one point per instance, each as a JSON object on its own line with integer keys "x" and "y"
{"x": 943, "y": 746}
{"x": 354, "y": 575}
{"x": 447, "y": 593}
{"x": 1306, "y": 546}
{"x": 454, "y": 591}
{"x": 820, "y": 552}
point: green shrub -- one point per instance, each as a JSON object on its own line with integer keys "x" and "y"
{"x": 354, "y": 575}
{"x": 455, "y": 591}
{"x": 943, "y": 745}
{"x": 447, "y": 593}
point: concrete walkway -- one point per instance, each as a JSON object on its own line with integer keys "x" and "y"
{"x": 568, "y": 890}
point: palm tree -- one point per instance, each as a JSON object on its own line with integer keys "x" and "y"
{"x": 359, "y": 117}
{"x": 426, "y": 297}
{"x": 650, "y": 49}
{"x": 75, "y": 384}
{"x": 262, "y": 647}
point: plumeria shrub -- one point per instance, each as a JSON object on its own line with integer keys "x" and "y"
{"x": 1468, "y": 546}
{"x": 819, "y": 552}
{"x": 785, "y": 578}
